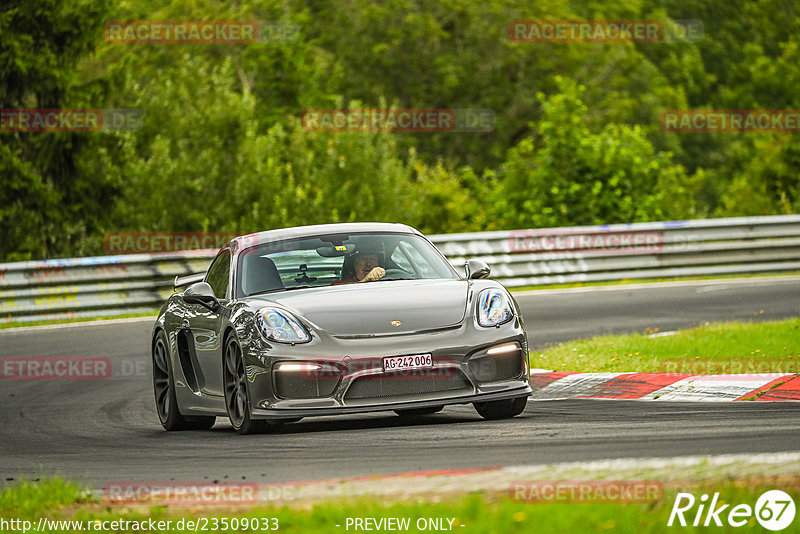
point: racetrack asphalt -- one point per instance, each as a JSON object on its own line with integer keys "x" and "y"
{"x": 567, "y": 314}
{"x": 107, "y": 430}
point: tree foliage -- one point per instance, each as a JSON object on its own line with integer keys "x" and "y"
{"x": 568, "y": 175}
{"x": 577, "y": 138}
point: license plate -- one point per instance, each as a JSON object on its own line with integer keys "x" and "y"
{"x": 404, "y": 363}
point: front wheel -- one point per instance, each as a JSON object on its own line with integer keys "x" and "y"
{"x": 502, "y": 409}
{"x": 236, "y": 399}
{"x": 164, "y": 388}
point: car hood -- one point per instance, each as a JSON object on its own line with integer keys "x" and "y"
{"x": 375, "y": 308}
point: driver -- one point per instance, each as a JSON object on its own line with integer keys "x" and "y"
{"x": 367, "y": 268}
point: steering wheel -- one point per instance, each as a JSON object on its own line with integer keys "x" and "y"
{"x": 398, "y": 274}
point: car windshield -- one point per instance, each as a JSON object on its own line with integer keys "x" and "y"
{"x": 339, "y": 259}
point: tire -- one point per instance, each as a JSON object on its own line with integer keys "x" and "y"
{"x": 237, "y": 400}
{"x": 502, "y": 409}
{"x": 169, "y": 413}
{"x": 413, "y": 412}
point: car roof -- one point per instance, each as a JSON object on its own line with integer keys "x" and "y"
{"x": 320, "y": 229}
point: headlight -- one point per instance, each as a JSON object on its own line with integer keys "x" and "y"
{"x": 494, "y": 308}
{"x": 279, "y": 325}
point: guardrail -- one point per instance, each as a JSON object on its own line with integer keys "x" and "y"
{"x": 126, "y": 284}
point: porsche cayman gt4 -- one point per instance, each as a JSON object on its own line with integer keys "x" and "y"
{"x": 335, "y": 319}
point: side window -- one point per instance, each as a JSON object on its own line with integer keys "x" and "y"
{"x": 219, "y": 274}
{"x": 401, "y": 260}
{"x": 422, "y": 265}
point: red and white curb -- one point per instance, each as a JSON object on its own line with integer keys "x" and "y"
{"x": 552, "y": 385}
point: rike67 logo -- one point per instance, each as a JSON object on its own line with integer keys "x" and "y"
{"x": 774, "y": 510}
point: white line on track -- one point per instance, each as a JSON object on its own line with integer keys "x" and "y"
{"x": 100, "y": 322}
{"x": 656, "y": 285}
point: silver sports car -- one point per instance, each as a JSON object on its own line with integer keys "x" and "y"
{"x": 335, "y": 319}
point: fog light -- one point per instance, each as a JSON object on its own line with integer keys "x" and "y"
{"x": 305, "y": 380}
{"x": 501, "y": 362}
{"x": 298, "y": 367}
{"x": 503, "y": 349}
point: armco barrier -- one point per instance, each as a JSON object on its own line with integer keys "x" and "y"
{"x": 113, "y": 285}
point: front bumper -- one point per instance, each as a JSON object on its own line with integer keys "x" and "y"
{"x": 350, "y": 376}
{"x": 309, "y": 411}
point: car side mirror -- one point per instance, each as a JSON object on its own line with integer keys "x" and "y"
{"x": 477, "y": 269}
{"x": 200, "y": 293}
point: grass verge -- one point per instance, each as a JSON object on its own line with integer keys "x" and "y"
{"x": 720, "y": 348}
{"x": 477, "y": 512}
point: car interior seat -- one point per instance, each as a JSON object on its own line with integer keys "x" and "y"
{"x": 260, "y": 274}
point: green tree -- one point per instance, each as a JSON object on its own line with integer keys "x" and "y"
{"x": 567, "y": 175}
{"x": 46, "y": 208}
